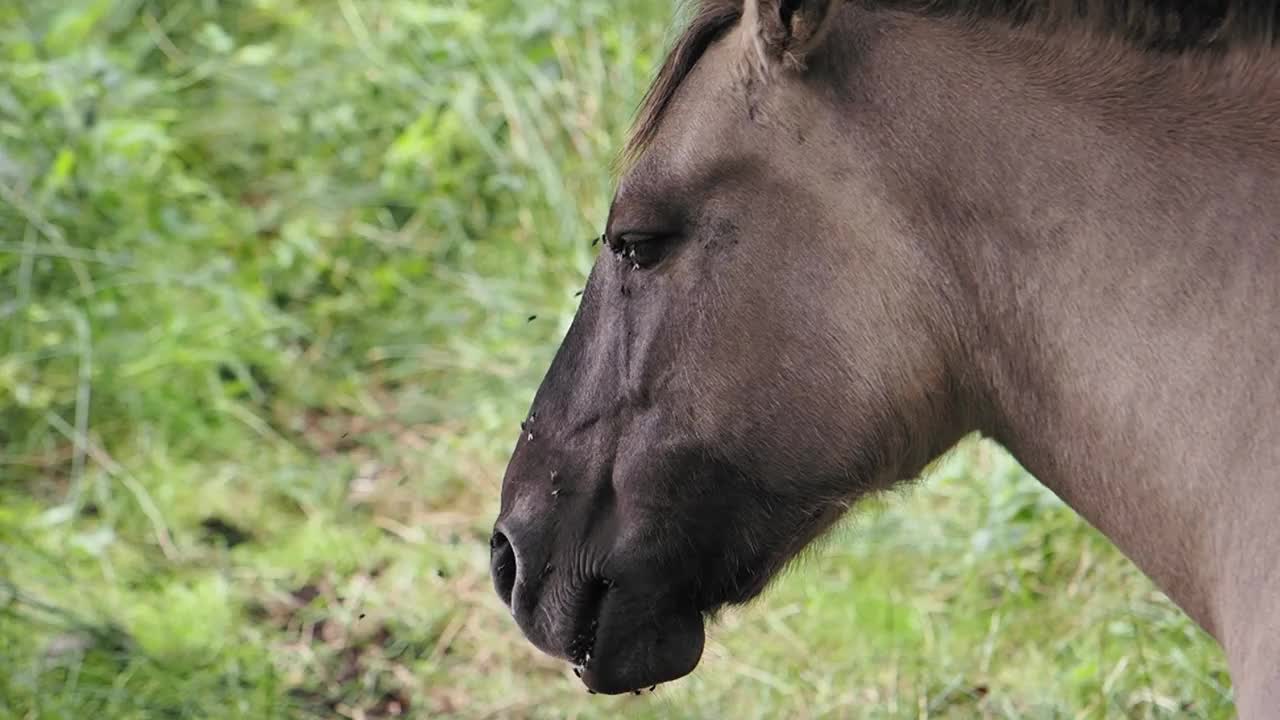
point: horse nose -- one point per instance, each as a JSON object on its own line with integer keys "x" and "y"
{"x": 502, "y": 564}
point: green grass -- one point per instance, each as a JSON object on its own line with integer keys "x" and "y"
{"x": 265, "y": 274}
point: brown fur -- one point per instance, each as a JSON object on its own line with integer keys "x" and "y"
{"x": 852, "y": 233}
{"x": 1152, "y": 25}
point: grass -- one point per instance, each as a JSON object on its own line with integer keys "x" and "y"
{"x": 266, "y": 268}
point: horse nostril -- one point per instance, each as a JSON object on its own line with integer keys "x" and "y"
{"x": 502, "y": 560}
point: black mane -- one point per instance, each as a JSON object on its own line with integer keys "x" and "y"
{"x": 1154, "y": 25}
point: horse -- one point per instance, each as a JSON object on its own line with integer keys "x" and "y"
{"x": 847, "y": 234}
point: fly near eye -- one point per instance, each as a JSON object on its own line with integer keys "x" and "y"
{"x": 644, "y": 252}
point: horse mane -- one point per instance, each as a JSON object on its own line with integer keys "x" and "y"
{"x": 1176, "y": 26}
{"x": 711, "y": 18}
{"x": 1155, "y": 26}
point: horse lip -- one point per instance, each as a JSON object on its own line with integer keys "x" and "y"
{"x": 588, "y": 615}
{"x": 633, "y": 657}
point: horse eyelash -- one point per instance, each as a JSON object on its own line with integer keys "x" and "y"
{"x": 621, "y": 251}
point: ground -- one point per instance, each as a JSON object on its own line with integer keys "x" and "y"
{"x": 277, "y": 281}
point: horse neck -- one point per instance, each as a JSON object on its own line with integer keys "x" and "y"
{"x": 1107, "y": 220}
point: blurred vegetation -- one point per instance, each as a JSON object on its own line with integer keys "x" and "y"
{"x": 266, "y": 273}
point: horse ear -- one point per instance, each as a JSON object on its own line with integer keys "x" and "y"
{"x": 788, "y": 30}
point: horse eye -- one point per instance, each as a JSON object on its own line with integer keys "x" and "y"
{"x": 642, "y": 251}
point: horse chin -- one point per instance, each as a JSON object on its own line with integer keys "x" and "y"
{"x": 634, "y": 651}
